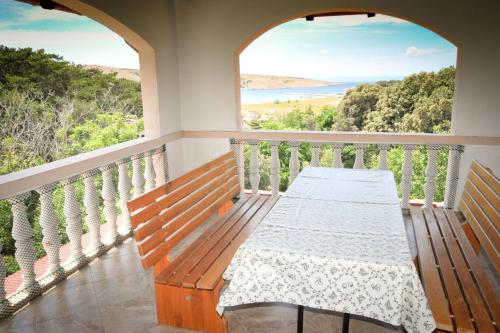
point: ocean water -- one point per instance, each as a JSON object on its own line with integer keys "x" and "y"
{"x": 255, "y": 96}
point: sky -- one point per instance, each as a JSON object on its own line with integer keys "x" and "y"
{"x": 348, "y": 47}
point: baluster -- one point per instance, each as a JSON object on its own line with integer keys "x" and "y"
{"x": 315, "y": 154}
{"x": 337, "y": 155}
{"x": 137, "y": 176}
{"x": 3, "y": 293}
{"x": 149, "y": 171}
{"x": 294, "y": 161}
{"x": 165, "y": 162}
{"x": 359, "y": 161}
{"x": 237, "y": 147}
{"x": 430, "y": 174}
{"x": 91, "y": 203}
{"x": 254, "y": 166}
{"x": 275, "y": 168}
{"x": 382, "y": 162}
{"x": 109, "y": 196}
{"x": 407, "y": 173}
{"x": 124, "y": 187}
{"x": 160, "y": 165}
{"x": 23, "y": 237}
{"x": 453, "y": 168}
{"x": 72, "y": 214}
{"x": 50, "y": 228}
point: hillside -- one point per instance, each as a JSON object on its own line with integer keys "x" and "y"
{"x": 248, "y": 81}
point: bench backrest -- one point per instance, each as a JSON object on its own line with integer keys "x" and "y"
{"x": 480, "y": 204}
{"x": 164, "y": 216}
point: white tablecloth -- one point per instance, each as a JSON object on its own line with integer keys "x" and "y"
{"x": 336, "y": 241}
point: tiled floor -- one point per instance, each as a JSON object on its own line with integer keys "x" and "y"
{"x": 114, "y": 294}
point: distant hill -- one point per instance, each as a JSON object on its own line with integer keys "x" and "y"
{"x": 248, "y": 81}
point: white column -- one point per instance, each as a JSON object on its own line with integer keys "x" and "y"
{"x": 430, "y": 174}
{"x": 407, "y": 174}
{"x": 315, "y": 149}
{"x": 137, "y": 176}
{"x": 382, "y": 161}
{"x": 3, "y": 293}
{"x": 72, "y": 214}
{"x": 124, "y": 187}
{"x": 294, "y": 161}
{"x": 337, "y": 155}
{"x": 275, "y": 167}
{"x": 237, "y": 146}
{"x": 160, "y": 163}
{"x": 452, "y": 172}
{"x": 50, "y": 228}
{"x": 254, "y": 166}
{"x": 109, "y": 196}
{"x": 149, "y": 171}
{"x": 359, "y": 161}
{"x": 91, "y": 203}
{"x": 23, "y": 237}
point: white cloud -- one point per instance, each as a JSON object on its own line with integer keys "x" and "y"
{"x": 323, "y": 51}
{"x": 413, "y": 51}
{"x": 351, "y": 20}
{"x": 36, "y": 14}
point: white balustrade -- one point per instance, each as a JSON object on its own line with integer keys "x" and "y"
{"x": 137, "y": 176}
{"x": 275, "y": 168}
{"x": 91, "y": 203}
{"x": 359, "y": 161}
{"x": 149, "y": 171}
{"x": 72, "y": 214}
{"x": 382, "y": 161}
{"x": 22, "y": 233}
{"x": 407, "y": 174}
{"x": 454, "y": 155}
{"x": 430, "y": 174}
{"x": 238, "y": 147}
{"x": 3, "y": 293}
{"x": 254, "y": 167}
{"x": 315, "y": 149}
{"x": 109, "y": 197}
{"x": 294, "y": 161}
{"x": 124, "y": 187}
{"x": 337, "y": 155}
{"x": 50, "y": 228}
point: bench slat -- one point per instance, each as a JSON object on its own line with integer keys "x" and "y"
{"x": 179, "y": 276}
{"x": 211, "y": 277}
{"x": 429, "y": 273}
{"x": 485, "y": 205}
{"x": 457, "y": 303}
{"x": 488, "y": 178}
{"x": 148, "y": 197}
{"x": 477, "y": 270}
{"x": 473, "y": 297}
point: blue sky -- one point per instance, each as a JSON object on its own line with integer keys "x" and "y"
{"x": 328, "y": 47}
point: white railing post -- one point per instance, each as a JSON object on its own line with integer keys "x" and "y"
{"x": 237, "y": 146}
{"x": 137, "y": 176}
{"x": 22, "y": 233}
{"x": 109, "y": 196}
{"x": 124, "y": 187}
{"x": 275, "y": 167}
{"x": 48, "y": 220}
{"x": 452, "y": 172}
{"x": 430, "y": 174}
{"x": 160, "y": 164}
{"x": 406, "y": 177}
{"x": 72, "y": 214}
{"x": 294, "y": 161}
{"x": 91, "y": 203}
{"x": 337, "y": 155}
{"x": 254, "y": 166}
{"x": 315, "y": 150}
{"x": 382, "y": 162}
{"x": 3, "y": 294}
{"x": 149, "y": 171}
{"x": 359, "y": 161}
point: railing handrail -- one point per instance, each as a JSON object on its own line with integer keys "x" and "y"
{"x": 25, "y": 180}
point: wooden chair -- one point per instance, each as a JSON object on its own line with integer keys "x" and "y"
{"x": 187, "y": 286}
{"x": 459, "y": 292}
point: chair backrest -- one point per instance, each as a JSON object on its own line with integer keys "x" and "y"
{"x": 164, "y": 216}
{"x": 480, "y": 204}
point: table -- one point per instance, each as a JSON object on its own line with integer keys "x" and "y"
{"x": 335, "y": 241}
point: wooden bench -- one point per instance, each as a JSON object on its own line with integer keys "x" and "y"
{"x": 187, "y": 286}
{"x": 460, "y": 295}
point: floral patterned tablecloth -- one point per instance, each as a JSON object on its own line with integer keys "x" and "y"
{"x": 336, "y": 241}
